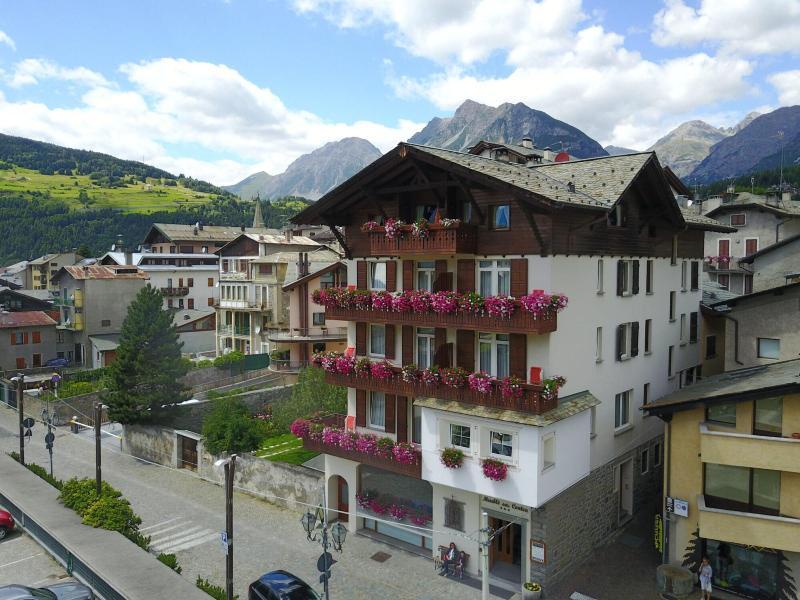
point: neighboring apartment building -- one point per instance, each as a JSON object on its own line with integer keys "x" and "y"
{"x": 187, "y": 281}
{"x": 252, "y": 304}
{"x": 760, "y": 221}
{"x": 609, "y": 234}
{"x": 94, "y": 302}
{"x": 40, "y": 271}
{"x": 28, "y": 339}
{"x": 732, "y": 459}
{"x": 171, "y": 238}
{"x": 309, "y": 331}
{"x": 775, "y": 265}
{"x": 755, "y": 329}
{"x": 15, "y": 276}
{"x": 197, "y": 330}
{"x": 18, "y": 300}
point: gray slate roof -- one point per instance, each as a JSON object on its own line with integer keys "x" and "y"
{"x": 714, "y": 293}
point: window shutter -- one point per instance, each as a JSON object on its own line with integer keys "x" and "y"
{"x": 402, "y": 419}
{"x": 361, "y": 408}
{"x": 37, "y": 337}
{"x": 635, "y": 339}
{"x": 519, "y": 277}
{"x": 361, "y": 274}
{"x": 25, "y": 338}
{"x": 620, "y": 278}
{"x": 635, "y": 275}
{"x": 693, "y": 327}
{"x": 442, "y": 357}
{"x": 442, "y": 282}
{"x": 408, "y": 345}
{"x": 695, "y": 275}
{"x": 465, "y": 349}
{"x": 408, "y": 274}
{"x": 13, "y": 340}
{"x": 391, "y": 275}
{"x": 620, "y": 333}
{"x": 389, "y": 353}
{"x": 390, "y": 413}
{"x": 518, "y": 351}
{"x": 361, "y": 339}
{"x": 466, "y": 276}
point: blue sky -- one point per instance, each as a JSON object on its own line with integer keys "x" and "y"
{"x": 219, "y": 89}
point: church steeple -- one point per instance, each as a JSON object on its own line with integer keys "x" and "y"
{"x": 258, "y": 220}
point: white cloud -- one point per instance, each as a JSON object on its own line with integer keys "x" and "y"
{"x": 33, "y": 70}
{"x": 171, "y": 103}
{"x": 740, "y": 26}
{"x": 6, "y": 39}
{"x": 787, "y": 84}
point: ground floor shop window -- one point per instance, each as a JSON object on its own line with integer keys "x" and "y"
{"x": 752, "y": 572}
{"x": 395, "y": 505}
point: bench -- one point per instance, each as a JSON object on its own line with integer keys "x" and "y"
{"x": 458, "y": 568}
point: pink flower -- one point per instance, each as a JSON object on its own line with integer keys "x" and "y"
{"x": 454, "y": 377}
{"x": 370, "y": 226}
{"x": 367, "y": 444}
{"x": 362, "y": 367}
{"x": 299, "y": 428}
{"x": 444, "y": 303}
{"x": 331, "y": 436}
{"x": 500, "y": 306}
{"x": 401, "y": 302}
{"x": 345, "y": 364}
{"x": 494, "y": 469}
{"x": 430, "y": 376}
{"x": 420, "y": 301}
{"x": 398, "y": 511}
{"x": 382, "y": 301}
{"x": 511, "y": 387}
{"x": 410, "y": 373}
{"x": 405, "y": 454}
{"x": 381, "y": 370}
{"x": 378, "y": 507}
{"x": 347, "y": 441}
{"x": 480, "y": 382}
{"x": 393, "y": 228}
{"x": 420, "y": 519}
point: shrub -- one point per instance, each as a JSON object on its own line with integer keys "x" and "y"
{"x": 203, "y": 364}
{"x": 80, "y": 494}
{"x": 230, "y": 428}
{"x": 69, "y": 389}
{"x": 112, "y": 513}
{"x": 141, "y": 540}
{"x": 231, "y": 358}
{"x": 212, "y": 590}
{"x": 171, "y": 561}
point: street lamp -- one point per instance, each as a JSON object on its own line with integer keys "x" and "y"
{"x": 230, "y": 466}
{"x": 338, "y": 534}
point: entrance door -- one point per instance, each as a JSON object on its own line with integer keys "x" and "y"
{"x": 188, "y": 453}
{"x": 505, "y": 553}
{"x": 343, "y": 495}
{"x": 625, "y": 489}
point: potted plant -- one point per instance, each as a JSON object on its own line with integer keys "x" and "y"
{"x": 531, "y": 590}
{"x": 452, "y": 458}
{"x": 494, "y": 469}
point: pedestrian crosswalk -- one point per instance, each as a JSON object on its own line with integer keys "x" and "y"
{"x": 174, "y": 535}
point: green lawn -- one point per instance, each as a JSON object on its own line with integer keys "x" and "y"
{"x": 138, "y": 197}
{"x": 285, "y": 448}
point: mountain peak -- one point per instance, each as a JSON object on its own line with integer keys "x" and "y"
{"x": 683, "y": 148}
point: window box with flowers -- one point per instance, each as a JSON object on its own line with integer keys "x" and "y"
{"x": 494, "y": 469}
{"x": 452, "y": 458}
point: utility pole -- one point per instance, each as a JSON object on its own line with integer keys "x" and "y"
{"x": 20, "y": 402}
{"x": 98, "y": 413}
{"x": 485, "y": 542}
{"x": 230, "y": 468}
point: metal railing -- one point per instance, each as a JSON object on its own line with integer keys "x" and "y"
{"x": 287, "y": 366}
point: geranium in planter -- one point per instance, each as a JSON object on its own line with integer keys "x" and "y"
{"x": 385, "y": 446}
{"x": 378, "y": 507}
{"x": 480, "y": 382}
{"x": 494, "y": 469}
{"x": 401, "y": 302}
{"x": 381, "y": 370}
{"x": 511, "y": 387}
{"x": 331, "y": 436}
{"x": 382, "y": 301}
{"x": 449, "y": 223}
{"x": 452, "y": 458}
{"x": 419, "y": 519}
{"x": 551, "y": 386}
{"x": 430, "y": 376}
{"x": 347, "y": 440}
{"x": 420, "y": 301}
{"x": 370, "y": 226}
{"x": 405, "y": 454}
{"x": 393, "y": 228}
{"x": 455, "y": 377}
{"x": 472, "y": 303}
{"x": 444, "y": 303}
{"x": 345, "y": 364}
{"x": 419, "y": 229}
{"x": 410, "y": 373}
{"x": 316, "y": 359}
{"x": 315, "y": 431}
{"x": 299, "y": 428}
{"x": 328, "y": 361}
{"x": 367, "y": 444}
{"x": 362, "y": 367}
{"x": 366, "y": 497}
{"x": 398, "y": 512}
{"x": 500, "y": 306}
{"x": 361, "y": 299}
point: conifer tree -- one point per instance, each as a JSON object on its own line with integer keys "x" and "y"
{"x": 145, "y": 374}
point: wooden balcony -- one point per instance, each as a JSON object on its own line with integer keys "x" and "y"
{"x": 387, "y": 464}
{"x": 520, "y": 322}
{"x": 451, "y": 240}
{"x": 532, "y": 400}
{"x": 175, "y": 291}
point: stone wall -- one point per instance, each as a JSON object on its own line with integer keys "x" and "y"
{"x": 583, "y": 517}
{"x": 64, "y": 410}
{"x": 292, "y": 486}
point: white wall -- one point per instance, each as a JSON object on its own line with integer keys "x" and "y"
{"x": 200, "y": 291}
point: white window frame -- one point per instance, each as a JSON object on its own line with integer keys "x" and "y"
{"x": 495, "y": 339}
{"x": 373, "y": 268}
{"x": 372, "y": 397}
{"x": 495, "y": 267}
{"x": 426, "y": 272}
{"x": 549, "y": 438}
{"x": 600, "y": 276}
{"x": 627, "y": 337}
{"x": 429, "y": 334}
{"x": 502, "y": 434}
{"x": 452, "y": 444}
{"x": 598, "y": 345}
{"x": 644, "y": 461}
{"x": 625, "y": 399}
{"x": 369, "y": 340}
{"x": 759, "y": 354}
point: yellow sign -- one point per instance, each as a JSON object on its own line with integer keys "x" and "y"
{"x": 658, "y": 534}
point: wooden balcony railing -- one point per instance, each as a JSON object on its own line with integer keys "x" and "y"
{"x": 175, "y": 291}
{"x": 440, "y": 240}
{"x": 520, "y": 322}
{"x": 532, "y": 400}
{"x": 380, "y": 462}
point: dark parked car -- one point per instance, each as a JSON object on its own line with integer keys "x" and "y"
{"x": 57, "y": 591}
{"x": 57, "y": 362}
{"x": 6, "y": 523}
{"x": 279, "y": 585}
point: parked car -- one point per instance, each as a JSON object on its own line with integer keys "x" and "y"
{"x": 6, "y": 523}
{"x": 57, "y": 362}
{"x": 279, "y": 585}
{"x": 57, "y": 591}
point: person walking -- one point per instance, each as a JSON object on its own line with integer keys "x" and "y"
{"x": 706, "y": 574}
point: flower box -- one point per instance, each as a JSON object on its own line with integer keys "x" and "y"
{"x": 449, "y": 236}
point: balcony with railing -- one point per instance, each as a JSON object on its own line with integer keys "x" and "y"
{"x": 175, "y": 291}
{"x": 329, "y": 334}
{"x": 720, "y": 445}
{"x": 386, "y": 460}
{"x": 244, "y": 304}
{"x": 436, "y": 239}
{"x": 233, "y": 330}
{"x": 280, "y": 365}
{"x": 234, "y": 276}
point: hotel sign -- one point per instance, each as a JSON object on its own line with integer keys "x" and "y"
{"x": 504, "y": 506}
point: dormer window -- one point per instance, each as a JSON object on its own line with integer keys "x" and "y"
{"x": 616, "y": 218}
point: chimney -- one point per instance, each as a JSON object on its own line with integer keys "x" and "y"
{"x": 200, "y": 225}
{"x": 526, "y": 142}
{"x": 242, "y": 227}
{"x": 786, "y": 196}
{"x": 289, "y": 234}
{"x": 128, "y": 257}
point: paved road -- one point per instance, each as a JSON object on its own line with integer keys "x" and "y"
{"x": 183, "y": 515}
{"x": 23, "y": 561}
